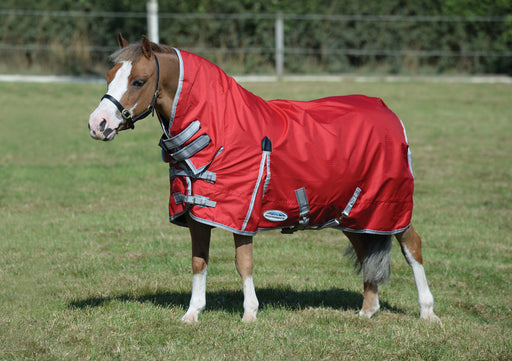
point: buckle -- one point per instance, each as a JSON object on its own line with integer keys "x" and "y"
{"x": 126, "y": 114}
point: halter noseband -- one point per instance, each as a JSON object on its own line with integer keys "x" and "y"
{"x": 126, "y": 114}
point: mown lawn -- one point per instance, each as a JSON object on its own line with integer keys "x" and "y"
{"x": 90, "y": 268}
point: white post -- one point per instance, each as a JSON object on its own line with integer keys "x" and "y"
{"x": 152, "y": 9}
{"x": 279, "y": 38}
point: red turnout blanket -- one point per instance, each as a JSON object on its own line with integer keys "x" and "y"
{"x": 245, "y": 164}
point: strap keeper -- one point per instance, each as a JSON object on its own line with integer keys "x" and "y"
{"x": 200, "y": 201}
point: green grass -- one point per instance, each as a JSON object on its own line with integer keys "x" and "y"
{"x": 90, "y": 268}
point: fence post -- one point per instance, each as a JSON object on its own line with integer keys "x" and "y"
{"x": 152, "y": 9}
{"x": 279, "y": 46}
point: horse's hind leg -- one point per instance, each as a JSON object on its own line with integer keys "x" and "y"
{"x": 244, "y": 266}
{"x": 411, "y": 249}
{"x": 200, "y": 234}
{"x": 372, "y": 253}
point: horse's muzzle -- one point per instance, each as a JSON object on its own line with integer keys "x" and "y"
{"x": 102, "y": 133}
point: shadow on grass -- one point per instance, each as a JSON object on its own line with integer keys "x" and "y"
{"x": 231, "y": 301}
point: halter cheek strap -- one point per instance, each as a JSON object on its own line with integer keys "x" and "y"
{"x": 127, "y": 114}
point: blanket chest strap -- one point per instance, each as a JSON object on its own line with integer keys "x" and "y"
{"x": 193, "y": 200}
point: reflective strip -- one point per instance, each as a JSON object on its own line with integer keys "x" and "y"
{"x": 267, "y": 180}
{"x": 194, "y": 200}
{"x": 302, "y": 200}
{"x": 191, "y": 149}
{"x": 178, "y": 93}
{"x": 266, "y": 147}
{"x": 205, "y": 175}
{"x": 351, "y": 202}
{"x": 255, "y": 191}
{"x": 181, "y": 138}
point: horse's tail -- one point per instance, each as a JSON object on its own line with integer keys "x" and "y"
{"x": 375, "y": 263}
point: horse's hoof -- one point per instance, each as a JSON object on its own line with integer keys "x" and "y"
{"x": 368, "y": 313}
{"x": 249, "y": 317}
{"x": 190, "y": 317}
{"x": 431, "y": 317}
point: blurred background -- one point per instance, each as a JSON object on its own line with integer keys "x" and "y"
{"x": 75, "y": 37}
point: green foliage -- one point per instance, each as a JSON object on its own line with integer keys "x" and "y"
{"x": 79, "y": 44}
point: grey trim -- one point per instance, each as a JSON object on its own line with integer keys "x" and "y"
{"x": 192, "y": 148}
{"x": 330, "y": 224}
{"x": 205, "y": 175}
{"x": 351, "y": 202}
{"x": 371, "y": 231}
{"x": 221, "y": 226}
{"x": 178, "y": 92}
{"x": 244, "y": 233}
{"x": 183, "y": 136}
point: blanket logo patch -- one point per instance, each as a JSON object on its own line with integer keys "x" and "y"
{"x": 275, "y": 215}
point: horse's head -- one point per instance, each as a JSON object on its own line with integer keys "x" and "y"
{"x": 132, "y": 90}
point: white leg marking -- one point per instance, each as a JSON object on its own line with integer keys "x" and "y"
{"x": 425, "y": 298}
{"x": 198, "y": 298}
{"x": 250, "y": 301}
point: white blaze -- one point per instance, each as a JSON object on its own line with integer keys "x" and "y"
{"x": 106, "y": 110}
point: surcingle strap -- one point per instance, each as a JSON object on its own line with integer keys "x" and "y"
{"x": 204, "y": 175}
{"x": 191, "y": 149}
{"x": 181, "y": 138}
{"x": 302, "y": 200}
{"x": 194, "y": 200}
{"x": 173, "y": 145}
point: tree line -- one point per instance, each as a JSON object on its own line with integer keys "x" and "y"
{"x": 321, "y": 36}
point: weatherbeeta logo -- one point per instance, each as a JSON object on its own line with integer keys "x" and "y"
{"x": 275, "y": 216}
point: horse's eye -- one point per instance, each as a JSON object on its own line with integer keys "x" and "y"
{"x": 138, "y": 83}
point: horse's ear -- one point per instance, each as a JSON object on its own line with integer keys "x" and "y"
{"x": 146, "y": 47}
{"x": 123, "y": 43}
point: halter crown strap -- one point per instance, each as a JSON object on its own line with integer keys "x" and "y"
{"x": 127, "y": 115}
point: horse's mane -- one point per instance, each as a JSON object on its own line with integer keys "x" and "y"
{"x": 133, "y": 52}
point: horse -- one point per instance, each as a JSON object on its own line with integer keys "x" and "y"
{"x": 244, "y": 164}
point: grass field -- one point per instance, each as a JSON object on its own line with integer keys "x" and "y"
{"x": 90, "y": 268}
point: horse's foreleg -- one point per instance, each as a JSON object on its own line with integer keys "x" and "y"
{"x": 410, "y": 243}
{"x": 244, "y": 266}
{"x": 200, "y": 234}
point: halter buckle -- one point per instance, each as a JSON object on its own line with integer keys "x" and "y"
{"x": 126, "y": 114}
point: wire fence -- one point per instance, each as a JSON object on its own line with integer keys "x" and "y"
{"x": 248, "y": 43}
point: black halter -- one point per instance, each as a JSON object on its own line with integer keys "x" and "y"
{"x": 127, "y": 115}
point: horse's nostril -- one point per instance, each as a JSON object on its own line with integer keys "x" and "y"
{"x": 107, "y": 132}
{"x": 102, "y": 125}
